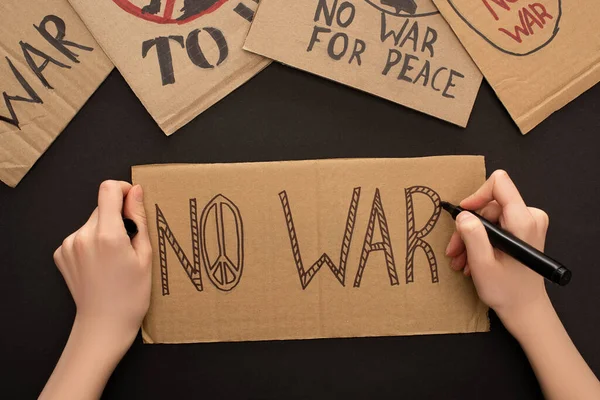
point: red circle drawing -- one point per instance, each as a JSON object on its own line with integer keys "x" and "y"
{"x": 191, "y": 10}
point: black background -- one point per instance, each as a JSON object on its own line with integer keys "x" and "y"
{"x": 285, "y": 114}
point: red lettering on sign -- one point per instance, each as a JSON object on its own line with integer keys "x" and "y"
{"x": 528, "y": 19}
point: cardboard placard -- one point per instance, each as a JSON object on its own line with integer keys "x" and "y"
{"x": 49, "y": 66}
{"x": 179, "y": 56}
{"x": 396, "y": 49}
{"x": 306, "y": 249}
{"x": 538, "y": 56}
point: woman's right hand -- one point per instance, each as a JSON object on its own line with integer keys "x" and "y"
{"x": 503, "y": 283}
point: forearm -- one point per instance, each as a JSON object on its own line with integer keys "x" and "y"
{"x": 88, "y": 360}
{"x": 109, "y": 275}
{"x": 561, "y": 370}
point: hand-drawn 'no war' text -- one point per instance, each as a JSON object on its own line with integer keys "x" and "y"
{"x": 221, "y": 223}
{"x": 413, "y": 43}
{"x": 515, "y": 27}
{"x": 37, "y": 65}
{"x": 415, "y": 239}
{"x": 224, "y": 267}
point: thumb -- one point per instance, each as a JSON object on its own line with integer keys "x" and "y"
{"x": 479, "y": 250}
{"x": 133, "y": 209}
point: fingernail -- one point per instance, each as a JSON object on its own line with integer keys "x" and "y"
{"x": 448, "y": 249}
{"x": 138, "y": 193}
{"x": 464, "y": 216}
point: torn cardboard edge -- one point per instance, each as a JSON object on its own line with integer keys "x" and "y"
{"x": 313, "y": 193}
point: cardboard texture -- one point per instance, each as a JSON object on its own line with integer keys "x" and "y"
{"x": 49, "y": 66}
{"x": 396, "y": 49}
{"x": 538, "y": 56}
{"x": 307, "y": 249}
{"x": 179, "y": 56}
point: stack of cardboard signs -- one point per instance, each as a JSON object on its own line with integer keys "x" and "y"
{"x": 537, "y": 56}
{"x": 182, "y": 56}
{"x": 179, "y": 57}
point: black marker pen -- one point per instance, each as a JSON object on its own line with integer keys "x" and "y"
{"x": 130, "y": 227}
{"x": 518, "y": 249}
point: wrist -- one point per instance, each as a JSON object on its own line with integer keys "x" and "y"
{"x": 526, "y": 320}
{"x": 92, "y": 352}
{"x": 109, "y": 339}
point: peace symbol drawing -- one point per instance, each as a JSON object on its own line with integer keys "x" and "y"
{"x": 169, "y": 11}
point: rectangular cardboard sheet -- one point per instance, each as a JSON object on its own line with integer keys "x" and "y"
{"x": 307, "y": 249}
{"x": 179, "y": 56}
{"x": 538, "y": 56}
{"x": 390, "y": 48}
{"x": 49, "y": 66}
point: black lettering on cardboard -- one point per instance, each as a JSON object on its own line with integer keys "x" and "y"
{"x": 163, "y": 51}
{"x": 424, "y": 73}
{"x": 8, "y": 99}
{"x": 165, "y": 235}
{"x": 314, "y": 38}
{"x": 331, "y": 46}
{"x": 406, "y": 67}
{"x": 323, "y": 8}
{"x": 435, "y": 75}
{"x": 194, "y": 50}
{"x": 385, "y": 245}
{"x": 306, "y": 276}
{"x": 430, "y": 38}
{"x": 58, "y": 40}
{"x": 346, "y": 6}
{"x": 359, "y": 48}
{"x": 397, "y": 36}
{"x": 244, "y": 11}
{"x": 412, "y": 35}
{"x": 450, "y": 83}
{"x": 391, "y": 61}
{"x": 38, "y": 70}
{"x": 414, "y": 238}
